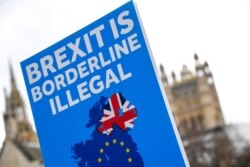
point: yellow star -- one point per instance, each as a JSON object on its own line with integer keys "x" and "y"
{"x": 101, "y": 150}
{"x": 99, "y": 160}
{"x": 122, "y": 143}
{"x": 130, "y": 160}
{"x": 127, "y": 150}
{"x": 114, "y": 141}
{"x": 107, "y": 144}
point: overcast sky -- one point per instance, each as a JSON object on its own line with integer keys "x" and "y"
{"x": 217, "y": 30}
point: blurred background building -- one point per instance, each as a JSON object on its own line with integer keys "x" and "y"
{"x": 20, "y": 147}
{"x": 195, "y": 105}
{"x": 193, "y": 99}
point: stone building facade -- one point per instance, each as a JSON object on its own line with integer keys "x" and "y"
{"x": 20, "y": 147}
{"x": 193, "y": 99}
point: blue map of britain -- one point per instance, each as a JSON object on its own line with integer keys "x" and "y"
{"x": 111, "y": 144}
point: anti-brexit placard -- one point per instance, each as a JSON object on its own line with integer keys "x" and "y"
{"x": 97, "y": 101}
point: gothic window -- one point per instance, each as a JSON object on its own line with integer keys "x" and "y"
{"x": 200, "y": 122}
{"x": 194, "y": 128}
{"x": 19, "y": 113}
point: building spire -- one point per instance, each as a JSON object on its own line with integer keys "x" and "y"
{"x": 12, "y": 77}
{"x": 185, "y": 73}
{"x": 15, "y": 101}
{"x": 173, "y": 76}
{"x": 196, "y": 58}
{"x": 164, "y": 77}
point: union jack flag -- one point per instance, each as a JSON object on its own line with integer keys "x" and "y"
{"x": 118, "y": 111}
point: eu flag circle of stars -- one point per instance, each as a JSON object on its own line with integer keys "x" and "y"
{"x": 113, "y": 143}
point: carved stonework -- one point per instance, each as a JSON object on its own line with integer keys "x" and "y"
{"x": 20, "y": 147}
{"x": 193, "y": 100}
